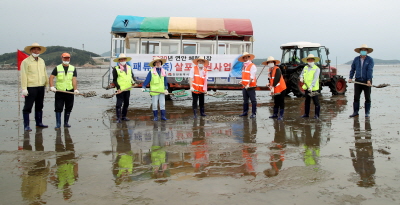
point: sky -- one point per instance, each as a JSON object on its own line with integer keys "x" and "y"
{"x": 340, "y": 25}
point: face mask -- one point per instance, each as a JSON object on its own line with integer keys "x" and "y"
{"x": 271, "y": 65}
{"x": 200, "y": 65}
{"x": 248, "y": 61}
{"x": 122, "y": 63}
{"x": 66, "y": 62}
{"x": 363, "y": 53}
{"x": 311, "y": 64}
{"x": 35, "y": 55}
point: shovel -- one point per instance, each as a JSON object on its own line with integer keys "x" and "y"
{"x": 112, "y": 95}
{"x": 86, "y": 95}
{"x": 216, "y": 94}
{"x": 312, "y": 94}
{"x": 375, "y": 86}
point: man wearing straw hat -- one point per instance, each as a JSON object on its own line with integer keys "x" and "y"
{"x": 158, "y": 83}
{"x": 277, "y": 86}
{"x": 310, "y": 77}
{"x": 362, "y": 67}
{"x": 249, "y": 82}
{"x": 33, "y": 82}
{"x": 66, "y": 82}
{"x": 198, "y": 84}
{"x": 123, "y": 79}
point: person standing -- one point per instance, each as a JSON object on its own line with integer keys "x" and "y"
{"x": 33, "y": 82}
{"x": 198, "y": 84}
{"x": 277, "y": 86}
{"x": 310, "y": 77}
{"x": 362, "y": 67}
{"x": 158, "y": 83}
{"x": 66, "y": 81}
{"x": 249, "y": 83}
{"x": 123, "y": 79}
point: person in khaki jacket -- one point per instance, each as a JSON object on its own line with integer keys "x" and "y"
{"x": 33, "y": 82}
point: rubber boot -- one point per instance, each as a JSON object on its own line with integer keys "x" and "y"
{"x": 38, "y": 119}
{"x": 275, "y": 115}
{"x": 58, "y": 120}
{"x": 194, "y": 113}
{"x": 281, "y": 112}
{"x": 356, "y": 107}
{"x": 317, "y": 109}
{"x": 245, "y": 109}
{"x": 253, "y": 110}
{"x": 26, "y": 122}
{"x": 66, "y": 119}
{"x": 202, "y": 112}
{"x": 124, "y": 113}
{"x": 155, "y": 113}
{"x": 306, "y": 111}
{"x": 163, "y": 112}
{"x": 118, "y": 113}
{"x": 367, "y": 109}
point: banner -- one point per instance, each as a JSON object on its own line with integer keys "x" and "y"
{"x": 20, "y": 57}
{"x": 179, "y": 65}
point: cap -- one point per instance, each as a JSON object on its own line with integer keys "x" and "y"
{"x": 65, "y": 55}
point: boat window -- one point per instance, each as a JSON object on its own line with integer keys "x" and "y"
{"x": 150, "y": 47}
{"x": 189, "y": 48}
{"x": 206, "y": 48}
{"x": 169, "y": 48}
{"x": 133, "y": 46}
{"x": 235, "y": 49}
{"x": 221, "y": 49}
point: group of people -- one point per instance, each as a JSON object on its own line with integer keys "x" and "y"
{"x": 34, "y": 80}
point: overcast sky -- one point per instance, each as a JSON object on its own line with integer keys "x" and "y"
{"x": 340, "y": 25}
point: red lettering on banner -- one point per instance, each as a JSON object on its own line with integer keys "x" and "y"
{"x": 188, "y": 66}
{"x": 178, "y": 66}
{"x": 217, "y": 66}
{"x": 163, "y": 57}
{"x": 227, "y": 66}
{"x": 209, "y": 67}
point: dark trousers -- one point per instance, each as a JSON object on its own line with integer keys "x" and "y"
{"x": 249, "y": 94}
{"x": 314, "y": 98}
{"x": 358, "y": 89}
{"x": 62, "y": 99}
{"x": 123, "y": 98}
{"x": 200, "y": 98}
{"x": 36, "y": 95}
{"x": 279, "y": 100}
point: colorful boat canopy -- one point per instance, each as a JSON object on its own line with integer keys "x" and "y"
{"x": 136, "y": 26}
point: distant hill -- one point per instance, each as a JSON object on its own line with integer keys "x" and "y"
{"x": 380, "y": 62}
{"x": 52, "y": 56}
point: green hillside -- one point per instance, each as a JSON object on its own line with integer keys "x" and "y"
{"x": 52, "y": 56}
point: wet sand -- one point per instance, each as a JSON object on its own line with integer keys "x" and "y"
{"x": 217, "y": 159}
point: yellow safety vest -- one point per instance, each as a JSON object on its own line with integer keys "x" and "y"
{"x": 64, "y": 82}
{"x": 124, "y": 78}
{"x": 156, "y": 83}
{"x": 308, "y": 77}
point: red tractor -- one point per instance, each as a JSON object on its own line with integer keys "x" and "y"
{"x": 291, "y": 66}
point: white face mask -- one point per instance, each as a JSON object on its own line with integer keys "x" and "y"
{"x": 122, "y": 63}
{"x": 35, "y": 55}
{"x": 248, "y": 61}
{"x": 66, "y": 62}
{"x": 311, "y": 64}
{"x": 270, "y": 65}
{"x": 200, "y": 65}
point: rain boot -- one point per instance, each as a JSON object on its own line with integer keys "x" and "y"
{"x": 202, "y": 112}
{"x": 26, "y": 122}
{"x": 367, "y": 109}
{"x": 155, "y": 113}
{"x": 58, "y": 120}
{"x": 275, "y": 115}
{"x": 356, "y": 107}
{"x": 245, "y": 109}
{"x": 38, "y": 119}
{"x": 124, "y": 113}
{"x": 253, "y": 110}
{"x": 66, "y": 119}
{"x": 317, "y": 108}
{"x": 281, "y": 111}
{"x": 194, "y": 113}
{"x": 118, "y": 110}
{"x": 306, "y": 111}
{"x": 163, "y": 112}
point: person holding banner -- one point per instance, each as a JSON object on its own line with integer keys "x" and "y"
{"x": 198, "y": 84}
{"x": 277, "y": 86}
{"x": 249, "y": 82}
{"x": 158, "y": 83}
{"x": 34, "y": 79}
{"x": 123, "y": 80}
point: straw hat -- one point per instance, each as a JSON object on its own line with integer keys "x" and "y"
{"x": 151, "y": 64}
{"x": 201, "y": 58}
{"x": 251, "y": 56}
{"x": 122, "y": 56}
{"x": 316, "y": 59}
{"x": 269, "y": 59}
{"x": 369, "y": 50}
{"x": 28, "y": 48}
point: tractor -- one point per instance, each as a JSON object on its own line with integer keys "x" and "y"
{"x": 291, "y": 67}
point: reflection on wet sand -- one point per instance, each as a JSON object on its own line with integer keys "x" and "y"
{"x": 312, "y": 144}
{"x": 277, "y": 149}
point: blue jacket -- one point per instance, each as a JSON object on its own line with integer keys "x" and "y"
{"x": 365, "y": 73}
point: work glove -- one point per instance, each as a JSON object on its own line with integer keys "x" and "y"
{"x": 53, "y": 89}
{"x": 310, "y": 89}
{"x": 247, "y": 86}
{"x": 25, "y": 92}
{"x": 302, "y": 80}
{"x": 191, "y": 89}
{"x": 166, "y": 92}
{"x": 143, "y": 89}
{"x": 76, "y": 92}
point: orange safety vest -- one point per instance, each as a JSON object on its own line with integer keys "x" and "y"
{"x": 246, "y": 77}
{"x": 281, "y": 86}
{"x": 198, "y": 81}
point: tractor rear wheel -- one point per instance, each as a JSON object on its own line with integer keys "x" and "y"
{"x": 295, "y": 85}
{"x": 338, "y": 85}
